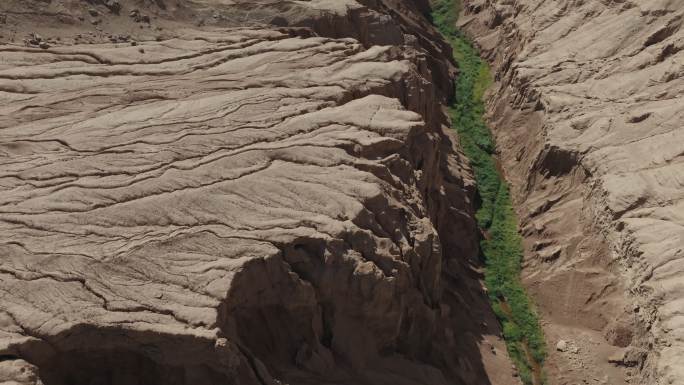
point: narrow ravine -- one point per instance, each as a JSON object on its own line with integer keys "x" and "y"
{"x": 501, "y": 246}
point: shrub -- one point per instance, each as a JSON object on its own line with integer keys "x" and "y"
{"x": 502, "y": 247}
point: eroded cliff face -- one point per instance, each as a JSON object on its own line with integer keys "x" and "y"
{"x": 588, "y": 109}
{"x": 237, "y": 193}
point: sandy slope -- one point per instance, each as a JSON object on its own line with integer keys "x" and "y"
{"x": 588, "y": 109}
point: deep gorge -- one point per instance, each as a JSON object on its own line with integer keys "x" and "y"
{"x": 501, "y": 245}
{"x": 341, "y": 192}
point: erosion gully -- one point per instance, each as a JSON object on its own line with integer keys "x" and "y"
{"x": 501, "y": 248}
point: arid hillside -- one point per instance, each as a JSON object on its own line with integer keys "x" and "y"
{"x": 588, "y": 113}
{"x": 233, "y": 192}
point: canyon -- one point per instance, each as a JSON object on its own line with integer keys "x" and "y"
{"x": 587, "y": 109}
{"x": 277, "y": 192}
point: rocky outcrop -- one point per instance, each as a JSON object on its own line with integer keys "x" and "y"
{"x": 234, "y": 194}
{"x": 587, "y": 112}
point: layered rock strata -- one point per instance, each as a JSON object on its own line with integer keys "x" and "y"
{"x": 588, "y": 109}
{"x": 242, "y": 197}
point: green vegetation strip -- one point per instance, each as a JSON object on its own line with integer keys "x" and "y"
{"x": 502, "y": 247}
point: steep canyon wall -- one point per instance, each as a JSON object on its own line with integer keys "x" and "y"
{"x": 588, "y": 109}
{"x": 236, "y": 192}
